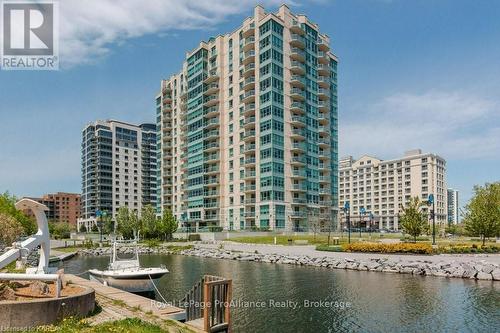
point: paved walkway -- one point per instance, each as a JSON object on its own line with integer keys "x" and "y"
{"x": 310, "y": 251}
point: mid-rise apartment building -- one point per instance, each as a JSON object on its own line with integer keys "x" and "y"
{"x": 453, "y": 213}
{"x": 118, "y": 168}
{"x": 381, "y": 187}
{"x": 248, "y": 131}
{"x": 63, "y": 207}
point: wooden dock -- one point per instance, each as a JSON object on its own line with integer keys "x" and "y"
{"x": 132, "y": 300}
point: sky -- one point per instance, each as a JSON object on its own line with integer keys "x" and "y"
{"x": 412, "y": 74}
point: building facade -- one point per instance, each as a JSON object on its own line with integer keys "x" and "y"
{"x": 382, "y": 187}
{"x": 453, "y": 213}
{"x": 118, "y": 168}
{"x": 63, "y": 207}
{"x": 248, "y": 130}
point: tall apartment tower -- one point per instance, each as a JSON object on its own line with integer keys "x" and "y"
{"x": 118, "y": 168}
{"x": 453, "y": 214}
{"x": 382, "y": 187}
{"x": 248, "y": 128}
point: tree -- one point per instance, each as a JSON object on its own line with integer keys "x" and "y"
{"x": 59, "y": 230}
{"x": 11, "y": 229}
{"x": 167, "y": 224}
{"x": 412, "y": 220}
{"x": 123, "y": 223}
{"x": 7, "y": 206}
{"x": 107, "y": 224}
{"x": 149, "y": 222}
{"x": 83, "y": 228}
{"x": 482, "y": 213}
{"x": 314, "y": 223}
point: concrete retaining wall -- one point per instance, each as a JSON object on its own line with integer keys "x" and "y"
{"x": 27, "y": 314}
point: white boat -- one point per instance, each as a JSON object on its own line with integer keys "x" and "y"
{"x": 127, "y": 274}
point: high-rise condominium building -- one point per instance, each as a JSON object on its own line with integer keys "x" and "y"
{"x": 382, "y": 187}
{"x": 63, "y": 207}
{"x": 453, "y": 214}
{"x": 249, "y": 128}
{"x": 118, "y": 168}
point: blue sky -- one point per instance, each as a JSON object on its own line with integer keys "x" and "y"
{"x": 412, "y": 74}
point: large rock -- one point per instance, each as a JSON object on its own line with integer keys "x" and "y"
{"x": 496, "y": 274}
{"x": 39, "y": 288}
{"x": 7, "y": 293}
{"x": 483, "y": 276}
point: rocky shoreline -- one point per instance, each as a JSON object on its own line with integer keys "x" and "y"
{"x": 474, "y": 269}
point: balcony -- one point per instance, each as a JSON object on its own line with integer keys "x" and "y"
{"x": 298, "y": 81}
{"x": 212, "y": 123}
{"x": 213, "y": 75}
{"x": 323, "y": 106}
{"x": 249, "y": 70}
{"x": 297, "y": 41}
{"x": 251, "y": 174}
{"x": 250, "y": 188}
{"x": 249, "y": 31}
{"x": 211, "y": 180}
{"x": 249, "y": 96}
{"x": 301, "y": 174}
{"x": 297, "y": 94}
{"x": 297, "y": 67}
{"x": 249, "y": 122}
{"x": 211, "y": 89}
{"x": 323, "y": 45}
{"x": 322, "y": 118}
{"x": 211, "y": 170}
{"x": 323, "y": 57}
{"x": 324, "y": 179}
{"x": 323, "y": 143}
{"x": 298, "y": 146}
{"x": 211, "y": 111}
{"x": 323, "y": 130}
{"x": 299, "y": 188}
{"x": 167, "y": 98}
{"x": 298, "y": 121}
{"x": 210, "y": 147}
{"x": 249, "y": 43}
{"x": 249, "y": 109}
{"x": 249, "y": 57}
{"x": 249, "y": 83}
{"x": 296, "y": 28}
{"x": 249, "y": 135}
{"x": 298, "y": 214}
{"x": 298, "y": 107}
{"x": 323, "y": 94}
{"x": 297, "y": 133}
{"x": 211, "y": 135}
{"x": 323, "y": 69}
{"x": 297, "y": 54}
{"x": 299, "y": 201}
{"x": 323, "y": 81}
{"x": 211, "y": 100}
{"x": 250, "y": 148}
{"x": 296, "y": 160}
{"x": 323, "y": 166}
{"x": 250, "y": 201}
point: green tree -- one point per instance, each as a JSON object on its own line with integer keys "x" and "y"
{"x": 7, "y": 206}
{"x": 83, "y": 228}
{"x": 59, "y": 230}
{"x": 482, "y": 213}
{"x": 412, "y": 220}
{"x": 108, "y": 226}
{"x": 167, "y": 224}
{"x": 11, "y": 229}
{"x": 149, "y": 222}
{"x": 123, "y": 223}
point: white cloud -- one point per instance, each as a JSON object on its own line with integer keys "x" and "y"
{"x": 89, "y": 28}
{"x": 454, "y": 125}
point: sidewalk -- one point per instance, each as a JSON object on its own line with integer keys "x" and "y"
{"x": 310, "y": 251}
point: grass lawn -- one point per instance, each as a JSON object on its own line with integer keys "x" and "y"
{"x": 129, "y": 325}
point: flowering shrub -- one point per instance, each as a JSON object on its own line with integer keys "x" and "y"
{"x": 467, "y": 248}
{"x": 416, "y": 248}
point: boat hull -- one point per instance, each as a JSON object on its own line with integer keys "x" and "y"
{"x": 135, "y": 283}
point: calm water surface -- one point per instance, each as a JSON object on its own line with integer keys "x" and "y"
{"x": 377, "y": 302}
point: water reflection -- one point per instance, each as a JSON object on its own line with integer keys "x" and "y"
{"x": 379, "y": 302}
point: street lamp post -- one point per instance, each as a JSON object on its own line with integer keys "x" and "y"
{"x": 371, "y": 222}
{"x": 348, "y": 217}
{"x": 430, "y": 201}
{"x": 362, "y": 213}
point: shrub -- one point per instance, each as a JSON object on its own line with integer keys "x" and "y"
{"x": 214, "y": 228}
{"x": 194, "y": 237}
{"x": 332, "y": 248}
{"x": 466, "y": 248}
{"x": 415, "y": 248}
